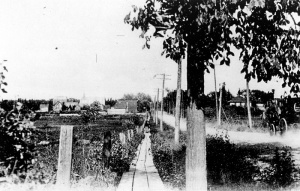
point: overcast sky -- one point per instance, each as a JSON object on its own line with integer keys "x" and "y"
{"x": 76, "y": 47}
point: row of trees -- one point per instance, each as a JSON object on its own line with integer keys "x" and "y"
{"x": 256, "y": 96}
{"x": 34, "y": 105}
{"x": 30, "y": 104}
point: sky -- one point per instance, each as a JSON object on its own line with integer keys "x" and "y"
{"x": 76, "y": 47}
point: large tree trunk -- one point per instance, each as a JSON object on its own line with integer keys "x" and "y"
{"x": 248, "y": 105}
{"x": 196, "y": 141}
{"x": 178, "y": 103}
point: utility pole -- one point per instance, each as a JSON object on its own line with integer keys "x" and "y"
{"x": 154, "y": 109}
{"x": 220, "y": 109}
{"x": 156, "y": 112}
{"x": 216, "y": 96}
{"x": 162, "y": 103}
{"x": 178, "y": 103}
{"x": 248, "y": 105}
{"x": 162, "y": 98}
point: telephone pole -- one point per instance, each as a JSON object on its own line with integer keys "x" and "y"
{"x": 156, "y": 111}
{"x": 162, "y": 97}
{"x": 220, "y": 109}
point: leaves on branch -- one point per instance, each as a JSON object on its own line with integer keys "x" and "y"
{"x": 267, "y": 49}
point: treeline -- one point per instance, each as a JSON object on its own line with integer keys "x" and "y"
{"x": 209, "y": 102}
{"x": 29, "y": 104}
{"x": 34, "y": 105}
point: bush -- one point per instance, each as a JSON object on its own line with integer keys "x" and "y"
{"x": 281, "y": 171}
{"x": 228, "y": 163}
{"x": 17, "y": 143}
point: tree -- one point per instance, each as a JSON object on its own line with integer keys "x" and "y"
{"x": 111, "y": 102}
{"x": 202, "y": 29}
{"x": 203, "y": 35}
{"x": 143, "y": 96}
{"x": 129, "y": 96}
{"x": 96, "y": 105}
{"x": 144, "y": 100}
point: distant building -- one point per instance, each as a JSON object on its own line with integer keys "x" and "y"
{"x": 89, "y": 100}
{"x": 238, "y": 101}
{"x": 124, "y": 106}
{"x": 57, "y": 106}
{"x": 44, "y": 107}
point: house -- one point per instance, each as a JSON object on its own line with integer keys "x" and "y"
{"x": 238, "y": 101}
{"x": 57, "y": 106}
{"x": 44, "y": 107}
{"x": 124, "y": 106}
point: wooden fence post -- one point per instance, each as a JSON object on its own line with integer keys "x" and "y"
{"x": 122, "y": 138}
{"x": 129, "y": 135}
{"x": 65, "y": 156}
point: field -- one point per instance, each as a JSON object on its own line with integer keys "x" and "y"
{"x": 87, "y": 150}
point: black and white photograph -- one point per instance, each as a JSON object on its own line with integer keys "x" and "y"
{"x": 150, "y": 95}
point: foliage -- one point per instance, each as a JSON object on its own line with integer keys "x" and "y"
{"x": 87, "y": 158}
{"x": 169, "y": 158}
{"x": 203, "y": 25}
{"x": 272, "y": 51}
{"x": 2, "y": 77}
{"x": 139, "y": 96}
{"x": 96, "y": 105}
{"x": 227, "y": 163}
{"x": 17, "y": 143}
{"x": 259, "y": 29}
{"x": 281, "y": 170}
{"x": 111, "y": 102}
{"x": 30, "y": 104}
{"x": 143, "y": 100}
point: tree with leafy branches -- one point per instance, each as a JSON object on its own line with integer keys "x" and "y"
{"x": 207, "y": 30}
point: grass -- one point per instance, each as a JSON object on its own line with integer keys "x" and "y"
{"x": 243, "y": 164}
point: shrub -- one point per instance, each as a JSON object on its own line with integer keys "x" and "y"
{"x": 228, "y": 163}
{"x": 17, "y": 143}
{"x": 280, "y": 172}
